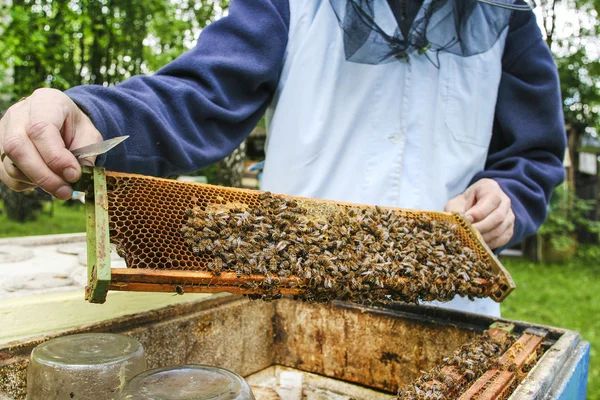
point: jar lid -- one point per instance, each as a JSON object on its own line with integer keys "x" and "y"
{"x": 87, "y": 349}
{"x": 187, "y": 382}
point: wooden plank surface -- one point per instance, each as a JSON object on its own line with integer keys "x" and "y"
{"x": 34, "y": 315}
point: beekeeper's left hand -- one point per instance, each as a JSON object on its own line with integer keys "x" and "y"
{"x": 488, "y": 208}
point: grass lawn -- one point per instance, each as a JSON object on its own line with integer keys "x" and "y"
{"x": 560, "y": 295}
{"x": 63, "y": 219}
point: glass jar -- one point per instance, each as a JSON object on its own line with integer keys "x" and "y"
{"x": 187, "y": 382}
{"x": 84, "y": 366}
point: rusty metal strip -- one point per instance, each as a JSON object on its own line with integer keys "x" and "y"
{"x": 98, "y": 242}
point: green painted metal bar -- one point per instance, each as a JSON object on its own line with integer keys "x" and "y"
{"x": 93, "y": 183}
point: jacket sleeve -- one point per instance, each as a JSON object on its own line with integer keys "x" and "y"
{"x": 528, "y": 141}
{"x": 200, "y": 107}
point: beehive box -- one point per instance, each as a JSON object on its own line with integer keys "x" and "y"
{"x": 380, "y": 349}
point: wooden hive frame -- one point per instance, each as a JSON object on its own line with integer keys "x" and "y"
{"x": 102, "y": 278}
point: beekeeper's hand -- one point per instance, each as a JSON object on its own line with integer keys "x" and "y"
{"x": 487, "y": 207}
{"x": 35, "y": 135}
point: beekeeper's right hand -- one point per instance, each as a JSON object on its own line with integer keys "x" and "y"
{"x": 36, "y": 135}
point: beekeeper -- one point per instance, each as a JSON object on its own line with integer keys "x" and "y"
{"x": 432, "y": 104}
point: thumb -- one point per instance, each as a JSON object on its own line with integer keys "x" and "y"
{"x": 461, "y": 203}
{"x": 63, "y": 127}
{"x": 85, "y": 131}
{"x": 86, "y": 135}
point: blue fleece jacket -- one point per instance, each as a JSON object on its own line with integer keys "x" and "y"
{"x": 200, "y": 107}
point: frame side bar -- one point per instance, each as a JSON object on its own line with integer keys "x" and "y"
{"x": 98, "y": 245}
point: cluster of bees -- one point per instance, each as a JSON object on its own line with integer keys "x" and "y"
{"x": 359, "y": 254}
{"x": 458, "y": 371}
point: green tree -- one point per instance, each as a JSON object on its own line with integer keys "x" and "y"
{"x": 572, "y": 31}
{"x": 64, "y": 43}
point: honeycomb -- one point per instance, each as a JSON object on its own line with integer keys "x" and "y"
{"x": 146, "y": 215}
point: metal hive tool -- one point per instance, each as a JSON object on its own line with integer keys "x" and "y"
{"x": 143, "y": 218}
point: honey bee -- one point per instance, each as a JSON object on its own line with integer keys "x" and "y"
{"x": 281, "y": 245}
{"x": 305, "y": 273}
{"x": 283, "y": 273}
{"x": 264, "y": 196}
{"x": 349, "y": 254}
{"x": 273, "y": 265}
{"x": 216, "y": 266}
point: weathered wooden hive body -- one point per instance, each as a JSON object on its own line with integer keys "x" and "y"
{"x": 379, "y": 349}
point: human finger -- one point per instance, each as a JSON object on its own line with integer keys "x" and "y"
{"x": 26, "y": 158}
{"x": 17, "y": 144}
{"x": 13, "y": 172}
{"x": 495, "y": 217}
{"x": 50, "y": 146}
{"x": 484, "y": 206}
{"x": 507, "y": 223}
{"x": 14, "y": 184}
{"x": 12, "y": 120}
{"x": 52, "y": 130}
{"x": 502, "y": 239}
{"x": 459, "y": 204}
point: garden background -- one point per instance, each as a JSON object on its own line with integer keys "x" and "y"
{"x": 63, "y": 43}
